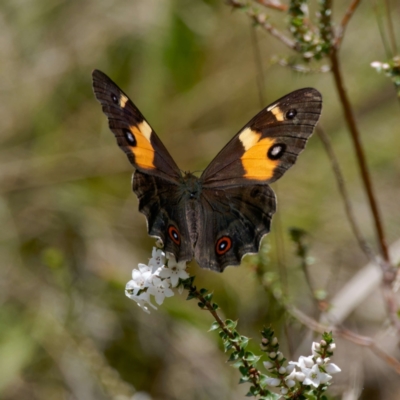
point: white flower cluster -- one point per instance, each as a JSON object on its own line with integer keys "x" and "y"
{"x": 379, "y": 66}
{"x": 312, "y": 370}
{"x": 156, "y": 279}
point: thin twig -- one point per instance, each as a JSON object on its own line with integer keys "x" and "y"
{"x": 260, "y": 19}
{"x": 355, "y": 135}
{"x": 274, "y": 4}
{"x": 365, "y": 247}
{"x": 392, "y": 36}
{"x": 274, "y": 32}
{"x": 345, "y": 333}
{"x": 224, "y": 328}
{"x": 347, "y": 16}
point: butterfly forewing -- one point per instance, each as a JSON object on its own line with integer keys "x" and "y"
{"x": 134, "y": 135}
{"x": 268, "y": 144}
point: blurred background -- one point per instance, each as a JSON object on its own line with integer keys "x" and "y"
{"x": 70, "y": 230}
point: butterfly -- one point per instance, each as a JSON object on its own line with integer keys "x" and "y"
{"x": 222, "y": 215}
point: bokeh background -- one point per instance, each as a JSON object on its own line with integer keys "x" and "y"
{"x": 70, "y": 230}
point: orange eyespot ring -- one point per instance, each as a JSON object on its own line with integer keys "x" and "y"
{"x": 174, "y": 235}
{"x": 223, "y": 245}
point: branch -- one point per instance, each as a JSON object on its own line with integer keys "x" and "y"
{"x": 274, "y": 4}
{"x": 355, "y": 135}
{"x": 346, "y": 19}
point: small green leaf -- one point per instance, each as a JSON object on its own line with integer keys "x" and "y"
{"x": 234, "y": 356}
{"x": 243, "y": 379}
{"x": 208, "y": 297}
{"x": 244, "y": 341}
{"x": 214, "y": 326}
{"x": 190, "y": 296}
{"x": 227, "y": 346}
{"x": 201, "y": 305}
{"x": 250, "y": 357}
{"x": 203, "y": 291}
{"x": 244, "y": 370}
{"x": 215, "y": 306}
{"x": 238, "y": 364}
{"x": 230, "y": 324}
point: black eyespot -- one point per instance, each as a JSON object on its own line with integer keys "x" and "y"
{"x": 114, "y": 99}
{"x": 291, "y": 113}
{"x": 130, "y": 138}
{"x": 174, "y": 235}
{"x": 276, "y": 151}
{"x": 223, "y": 245}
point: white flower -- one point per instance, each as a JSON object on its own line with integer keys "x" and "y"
{"x": 300, "y": 376}
{"x": 174, "y": 271}
{"x": 157, "y": 259}
{"x": 282, "y": 370}
{"x": 290, "y": 383}
{"x": 315, "y": 348}
{"x": 332, "y": 346}
{"x": 376, "y": 64}
{"x": 290, "y": 379}
{"x": 284, "y": 390}
{"x": 140, "y": 280}
{"x": 160, "y": 289}
{"x": 268, "y": 365}
{"x": 273, "y": 381}
{"x": 331, "y": 368}
{"x": 315, "y": 377}
{"x": 304, "y": 362}
{"x": 143, "y": 300}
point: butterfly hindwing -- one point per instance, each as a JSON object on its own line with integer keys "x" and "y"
{"x": 233, "y": 222}
{"x": 162, "y": 204}
{"x": 134, "y": 135}
{"x": 268, "y": 144}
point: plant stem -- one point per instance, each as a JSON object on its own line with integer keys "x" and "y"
{"x": 349, "y": 13}
{"x": 224, "y": 328}
{"x": 355, "y": 135}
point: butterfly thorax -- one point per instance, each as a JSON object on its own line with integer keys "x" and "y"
{"x": 191, "y": 186}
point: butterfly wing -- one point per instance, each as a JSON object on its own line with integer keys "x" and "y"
{"x": 237, "y": 203}
{"x": 165, "y": 209}
{"x": 156, "y": 180}
{"x": 269, "y": 144}
{"x": 233, "y": 222}
{"x": 134, "y": 135}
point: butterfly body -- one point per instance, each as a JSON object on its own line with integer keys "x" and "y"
{"x": 222, "y": 215}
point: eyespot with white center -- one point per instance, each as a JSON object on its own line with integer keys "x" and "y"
{"x": 174, "y": 235}
{"x": 223, "y": 245}
{"x": 130, "y": 137}
{"x": 276, "y": 151}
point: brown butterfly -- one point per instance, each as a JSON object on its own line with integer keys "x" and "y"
{"x": 223, "y": 215}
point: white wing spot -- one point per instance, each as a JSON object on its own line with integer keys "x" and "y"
{"x": 146, "y": 130}
{"x": 249, "y": 138}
